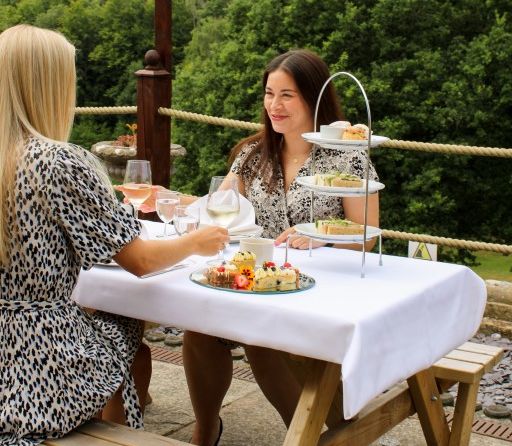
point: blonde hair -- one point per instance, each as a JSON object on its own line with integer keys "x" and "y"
{"x": 37, "y": 97}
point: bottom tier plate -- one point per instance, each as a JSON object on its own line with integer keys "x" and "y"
{"x": 309, "y": 229}
{"x": 305, "y": 283}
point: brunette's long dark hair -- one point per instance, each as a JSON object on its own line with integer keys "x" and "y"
{"x": 309, "y": 72}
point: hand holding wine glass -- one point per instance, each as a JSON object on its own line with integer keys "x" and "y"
{"x": 166, "y": 202}
{"x": 223, "y": 203}
{"x": 137, "y": 183}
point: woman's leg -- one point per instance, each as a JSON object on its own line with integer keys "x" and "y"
{"x": 141, "y": 372}
{"x": 209, "y": 369}
{"x": 276, "y": 380}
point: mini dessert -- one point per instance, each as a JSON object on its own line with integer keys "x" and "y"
{"x": 338, "y": 226}
{"x": 244, "y": 259}
{"x": 222, "y": 275}
{"x": 337, "y": 179}
{"x": 289, "y": 278}
{"x": 265, "y": 278}
{"x": 356, "y": 132}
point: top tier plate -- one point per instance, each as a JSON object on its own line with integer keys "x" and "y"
{"x": 343, "y": 144}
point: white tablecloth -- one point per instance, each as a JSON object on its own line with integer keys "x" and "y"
{"x": 400, "y": 319}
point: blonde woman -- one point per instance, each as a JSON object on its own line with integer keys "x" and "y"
{"x": 60, "y": 366}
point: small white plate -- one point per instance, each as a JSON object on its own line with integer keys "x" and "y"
{"x": 309, "y": 183}
{"x": 348, "y": 144}
{"x": 235, "y": 238}
{"x": 309, "y": 229}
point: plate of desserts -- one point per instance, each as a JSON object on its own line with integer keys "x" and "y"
{"x": 338, "y": 183}
{"x": 337, "y": 230}
{"x": 244, "y": 276}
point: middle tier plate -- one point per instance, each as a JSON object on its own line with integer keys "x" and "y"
{"x": 309, "y": 183}
{"x": 309, "y": 229}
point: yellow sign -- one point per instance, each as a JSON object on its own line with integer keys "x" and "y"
{"x": 421, "y": 250}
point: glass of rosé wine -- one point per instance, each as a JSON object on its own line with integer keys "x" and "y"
{"x": 137, "y": 183}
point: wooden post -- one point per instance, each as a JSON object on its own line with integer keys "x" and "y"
{"x": 154, "y": 91}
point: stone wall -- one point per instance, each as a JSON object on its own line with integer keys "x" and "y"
{"x": 498, "y": 311}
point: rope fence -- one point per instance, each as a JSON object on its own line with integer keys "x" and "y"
{"x": 391, "y": 144}
{"x": 446, "y": 241}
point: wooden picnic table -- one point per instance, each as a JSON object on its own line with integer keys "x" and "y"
{"x": 389, "y": 327}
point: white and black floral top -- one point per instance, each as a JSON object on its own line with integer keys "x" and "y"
{"x": 277, "y": 210}
{"x": 59, "y": 366}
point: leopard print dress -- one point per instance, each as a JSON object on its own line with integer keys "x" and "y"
{"x": 59, "y": 365}
{"x": 277, "y": 209}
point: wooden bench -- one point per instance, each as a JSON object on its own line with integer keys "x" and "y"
{"x": 104, "y": 433}
{"x": 420, "y": 394}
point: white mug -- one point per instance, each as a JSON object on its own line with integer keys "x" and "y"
{"x": 262, "y": 247}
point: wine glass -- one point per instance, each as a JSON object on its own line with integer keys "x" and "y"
{"x": 186, "y": 219}
{"x": 223, "y": 203}
{"x": 166, "y": 202}
{"x": 137, "y": 183}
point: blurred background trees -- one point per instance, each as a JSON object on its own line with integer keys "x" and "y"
{"x": 434, "y": 71}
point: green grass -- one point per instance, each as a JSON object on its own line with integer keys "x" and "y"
{"x": 493, "y": 266}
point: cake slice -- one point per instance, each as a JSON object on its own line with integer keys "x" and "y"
{"x": 265, "y": 279}
{"x": 288, "y": 278}
{"x": 222, "y": 275}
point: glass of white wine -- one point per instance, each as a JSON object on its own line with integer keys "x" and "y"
{"x": 223, "y": 203}
{"x": 186, "y": 219}
{"x": 137, "y": 183}
{"x": 166, "y": 202}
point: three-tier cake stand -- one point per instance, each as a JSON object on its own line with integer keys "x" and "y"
{"x": 369, "y": 186}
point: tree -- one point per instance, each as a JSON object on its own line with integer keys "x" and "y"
{"x": 434, "y": 71}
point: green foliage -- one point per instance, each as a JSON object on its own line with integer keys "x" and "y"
{"x": 111, "y": 37}
{"x": 434, "y": 71}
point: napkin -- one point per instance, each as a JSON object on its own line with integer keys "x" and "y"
{"x": 242, "y": 224}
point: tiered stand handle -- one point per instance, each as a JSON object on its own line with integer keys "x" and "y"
{"x": 351, "y": 76}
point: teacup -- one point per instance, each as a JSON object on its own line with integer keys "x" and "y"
{"x": 331, "y": 132}
{"x": 263, "y": 248}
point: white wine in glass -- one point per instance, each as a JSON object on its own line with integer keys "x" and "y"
{"x": 223, "y": 203}
{"x": 137, "y": 183}
{"x": 166, "y": 202}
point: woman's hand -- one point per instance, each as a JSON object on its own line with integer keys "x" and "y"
{"x": 297, "y": 241}
{"x": 149, "y": 205}
{"x": 208, "y": 241}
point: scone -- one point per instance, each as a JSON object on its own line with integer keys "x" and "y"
{"x": 356, "y": 132}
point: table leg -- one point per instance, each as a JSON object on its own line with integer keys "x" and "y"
{"x": 314, "y": 403}
{"x": 464, "y": 413}
{"x": 428, "y": 404}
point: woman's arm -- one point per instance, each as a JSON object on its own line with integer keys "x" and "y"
{"x": 141, "y": 257}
